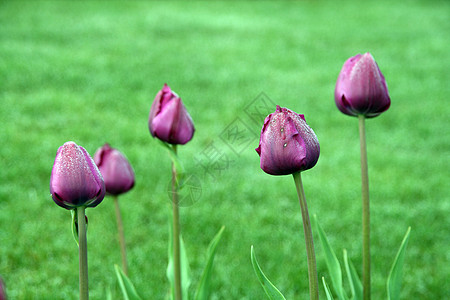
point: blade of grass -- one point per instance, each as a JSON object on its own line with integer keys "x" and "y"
{"x": 327, "y": 289}
{"x": 333, "y": 266}
{"x": 127, "y": 287}
{"x": 355, "y": 282}
{"x": 394, "y": 280}
{"x": 202, "y": 292}
{"x": 272, "y": 292}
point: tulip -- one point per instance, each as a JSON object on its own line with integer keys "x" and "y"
{"x": 76, "y": 183}
{"x": 116, "y": 170}
{"x": 361, "y": 91}
{"x": 2, "y": 290}
{"x": 169, "y": 120}
{"x": 287, "y": 144}
{"x": 75, "y": 180}
{"x": 119, "y": 178}
{"x": 361, "y": 88}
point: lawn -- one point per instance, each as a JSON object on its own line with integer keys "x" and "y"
{"x": 88, "y": 72}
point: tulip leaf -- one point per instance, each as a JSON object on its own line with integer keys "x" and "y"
{"x": 395, "y": 275}
{"x": 184, "y": 267}
{"x": 272, "y": 292}
{"x": 327, "y": 289}
{"x": 74, "y": 214}
{"x": 202, "y": 292}
{"x": 354, "y": 281}
{"x": 109, "y": 294}
{"x": 333, "y": 266}
{"x": 127, "y": 287}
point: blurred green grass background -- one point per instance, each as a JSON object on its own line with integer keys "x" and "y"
{"x": 88, "y": 72}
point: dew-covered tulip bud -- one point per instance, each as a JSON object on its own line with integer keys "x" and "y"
{"x": 361, "y": 88}
{"x": 116, "y": 170}
{"x": 287, "y": 144}
{"x": 169, "y": 120}
{"x": 76, "y": 180}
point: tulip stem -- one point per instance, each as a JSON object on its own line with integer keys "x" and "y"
{"x": 176, "y": 231}
{"x": 121, "y": 233}
{"x": 365, "y": 209}
{"x": 82, "y": 245}
{"x": 310, "y": 254}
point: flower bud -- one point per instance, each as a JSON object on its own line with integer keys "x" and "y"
{"x": 75, "y": 180}
{"x": 361, "y": 88}
{"x": 287, "y": 144}
{"x": 116, "y": 170}
{"x": 169, "y": 120}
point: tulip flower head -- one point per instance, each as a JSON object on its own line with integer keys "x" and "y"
{"x": 287, "y": 144}
{"x": 169, "y": 120}
{"x": 116, "y": 170}
{"x": 75, "y": 180}
{"x": 361, "y": 88}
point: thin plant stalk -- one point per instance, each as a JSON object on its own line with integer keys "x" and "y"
{"x": 365, "y": 209}
{"x": 310, "y": 253}
{"x": 82, "y": 244}
{"x": 123, "y": 250}
{"x": 176, "y": 232}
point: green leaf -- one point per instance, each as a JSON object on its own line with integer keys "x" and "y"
{"x": 394, "y": 280}
{"x": 355, "y": 283}
{"x": 202, "y": 292}
{"x": 108, "y": 294}
{"x": 327, "y": 290}
{"x": 73, "y": 212}
{"x": 184, "y": 266}
{"x": 272, "y": 292}
{"x": 127, "y": 287}
{"x": 334, "y": 268}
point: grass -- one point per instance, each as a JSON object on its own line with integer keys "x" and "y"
{"x": 88, "y": 72}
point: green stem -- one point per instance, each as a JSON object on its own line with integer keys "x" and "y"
{"x": 365, "y": 208}
{"x": 123, "y": 250}
{"x": 82, "y": 245}
{"x": 310, "y": 254}
{"x": 176, "y": 232}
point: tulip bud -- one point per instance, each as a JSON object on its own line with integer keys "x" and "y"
{"x": 361, "y": 88}
{"x": 75, "y": 180}
{"x": 116, "y": 170}
{"x": 287, "y": 144}
{"x": 169, "y": 120}
{"x": 2, "y": 290}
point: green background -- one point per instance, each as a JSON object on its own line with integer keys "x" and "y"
{"x": 88, "y": 72}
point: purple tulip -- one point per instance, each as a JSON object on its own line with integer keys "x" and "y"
{"x": 116, "y": 170}
{"x": 75, "y": 180}
{"x": 361, "y": 88}
{"x": 169, "y": 120}
{"x": 287, "y": 144}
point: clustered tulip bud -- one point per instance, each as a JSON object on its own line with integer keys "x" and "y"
{"x": 169, "y": 120}
{"x": 361, "y": 88}
{"x": 287, "y": 144}
{"x": 75, "y": 180}
{"x": 116, "y": 170}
